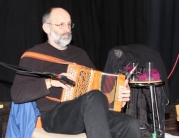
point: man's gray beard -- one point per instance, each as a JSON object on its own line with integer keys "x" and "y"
{"x": 57, "y": 39}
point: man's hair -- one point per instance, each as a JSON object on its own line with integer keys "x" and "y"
{"x": 46, "y": 15}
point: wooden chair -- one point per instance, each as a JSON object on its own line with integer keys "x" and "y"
{"x": 177, "y": 111}
{"x": 1, "y": 107}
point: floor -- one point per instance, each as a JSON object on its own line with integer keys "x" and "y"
{"x": 171, "y": 125}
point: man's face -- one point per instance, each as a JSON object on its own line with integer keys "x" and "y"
{"x": 62, "y": 39}
{"x": 60, "y": 28}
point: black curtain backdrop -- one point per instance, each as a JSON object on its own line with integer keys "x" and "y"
{"x": 99, "y": 26}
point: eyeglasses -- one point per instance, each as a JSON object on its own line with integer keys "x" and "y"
{"x": 62, "y": 25}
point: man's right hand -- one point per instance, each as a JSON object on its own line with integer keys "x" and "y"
{"x": 56, "y": 83}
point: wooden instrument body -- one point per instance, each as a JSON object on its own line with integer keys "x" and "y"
{"x": 88, "y": 79}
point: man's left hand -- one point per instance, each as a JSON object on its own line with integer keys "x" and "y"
{"x": 125, "y": 93}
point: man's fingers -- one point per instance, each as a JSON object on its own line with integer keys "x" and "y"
{"x": 125, "y": 95}
{"x": 125, "y": 99}
{"x": 64, "y": 86}
{"x": 68, "y": 75}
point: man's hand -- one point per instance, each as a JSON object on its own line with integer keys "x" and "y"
{"x": 125, "y": 93}
{"x": 56, "y": 83}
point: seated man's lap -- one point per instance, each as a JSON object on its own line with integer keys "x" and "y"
{"x": 123, "y": 125}
{"x": 68, "y": 118}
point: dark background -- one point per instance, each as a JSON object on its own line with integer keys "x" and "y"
{"x": 99, "y": 26}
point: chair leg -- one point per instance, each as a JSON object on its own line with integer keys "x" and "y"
{"x": 1, "y": 106}
{"x": 177, "y": 111}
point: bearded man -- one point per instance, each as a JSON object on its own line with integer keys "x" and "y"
{"x": 88, "y": 113}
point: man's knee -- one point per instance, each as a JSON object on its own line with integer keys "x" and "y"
{"x": 97, "y": 96}
{"x": 96, "y": 99}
